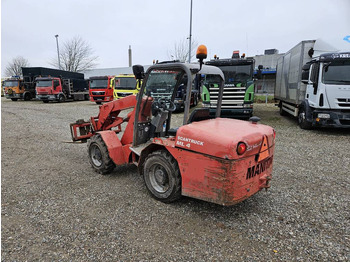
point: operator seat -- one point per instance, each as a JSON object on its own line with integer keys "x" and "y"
{"x": 198, "y": 114}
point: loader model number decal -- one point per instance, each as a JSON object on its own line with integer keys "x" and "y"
{"x": 258, "y": 168}
{"x": 186, "y": 142}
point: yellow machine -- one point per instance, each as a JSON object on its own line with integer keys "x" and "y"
{"x": 124, "y": 85}
{"x": 13, "y": 88}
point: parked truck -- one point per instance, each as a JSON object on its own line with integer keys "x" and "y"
{"x": 101, "y": 89}
{"x": 56, "y": 85}
{"x": 125, "y": 85}
{"x": 313, "y": 84}
{"x": 16, "y": 88}
{"x": 238, "y": 93}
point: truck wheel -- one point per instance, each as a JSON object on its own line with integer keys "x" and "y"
{"x": 282, "y": 112}
{"x": 162, "y": 176}
{"x": 99, "y": 103}
{"x": 14, "y": 99}
{"x": 45, "y": 101}
{"x": 303, "y": 123}
{"x": 99, "y": 157}
{"x": 27, "y": 97}
{"x": 61, "y": 98}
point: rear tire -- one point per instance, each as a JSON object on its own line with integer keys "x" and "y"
{"x": 46, "y": 101}
{"x": 282, "y": 112}
{"x": 162, "y": 176}
{"x": 14, "y": 99}
{"x": 99, "y": 103}
{"x": 99, "y": 156}
{"x": 303, "y": 123}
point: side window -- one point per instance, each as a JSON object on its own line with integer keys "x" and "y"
{"x": 56, "y": 83}
{"x": 314, "y": 73}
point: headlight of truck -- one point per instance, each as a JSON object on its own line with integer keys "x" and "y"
{"x": 206, "y": 104}
{"x": 325, "y": 116}
{"x": 248, "y": 106}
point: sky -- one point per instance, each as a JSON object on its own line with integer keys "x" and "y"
{"x": 153, "y": 27}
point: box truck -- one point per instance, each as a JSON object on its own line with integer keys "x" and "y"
{"x": 313, "y": 84}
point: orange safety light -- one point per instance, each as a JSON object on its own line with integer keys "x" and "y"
{"x": 202, "y": 52}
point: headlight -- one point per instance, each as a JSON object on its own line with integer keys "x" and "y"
{"x": 248, "y": 106}
{"x": 206, "y": 105}
{"x": 326, "y": 116}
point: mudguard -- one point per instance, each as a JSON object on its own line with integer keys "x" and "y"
{"x": 115, "y": 147}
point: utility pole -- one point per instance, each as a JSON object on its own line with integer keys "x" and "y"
{"x": 130, "y": 56}
{"x": 190, "y": 38}
{"x": 58, "y": 53}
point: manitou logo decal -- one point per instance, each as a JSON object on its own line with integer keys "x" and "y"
{"x": 259, "y": 168}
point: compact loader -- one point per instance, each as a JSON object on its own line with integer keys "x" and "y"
{"x": 215, "y": 159}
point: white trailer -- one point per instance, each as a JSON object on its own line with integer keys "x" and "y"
{"x": 314, "y": 86}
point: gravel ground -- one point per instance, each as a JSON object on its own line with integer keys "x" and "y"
{"x": 56, "y": 208}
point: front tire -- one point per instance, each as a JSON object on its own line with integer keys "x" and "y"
{"x": 162, "y": 176}
{"x": 61, "y": 98}
{"x": 302, "y": 121}
{"x": 99, "y": 156}
{"x": 27, "y": 97}
{"x": 14, "y": 99}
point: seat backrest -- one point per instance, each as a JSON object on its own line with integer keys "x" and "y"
{"x": 199, "y": 114}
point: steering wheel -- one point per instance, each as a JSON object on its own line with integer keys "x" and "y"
{"x": 163, "y": 103}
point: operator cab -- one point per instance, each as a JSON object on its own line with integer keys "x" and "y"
{"x": 155, "y": 105}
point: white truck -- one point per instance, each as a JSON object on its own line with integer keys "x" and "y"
{"x": 313, "y": 84}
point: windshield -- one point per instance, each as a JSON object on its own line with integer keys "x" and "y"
{"x": 44, "y": 83}
{"x": 98, "y": 83}
{"x": 10, "y": 83}
{"x": 126, "y": 83}
{"x": 237, "y": 74}
{"x": 161, "y": 83}
{"x": 337, "y": 73}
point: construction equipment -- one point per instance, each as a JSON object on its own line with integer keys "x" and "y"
{"x": 238, "y": 96}
{"x": 215, "y": 159}
{"x": 313, "y": 84}
{"x": 101, "y": 89}
{"x": 125, "y": 85}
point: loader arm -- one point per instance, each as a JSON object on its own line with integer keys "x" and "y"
{"x": 107, "y": 118}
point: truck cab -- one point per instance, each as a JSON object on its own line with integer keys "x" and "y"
{"x": 49, "y": 89}
{"x": 125, "y": 85}
{"x": 238, "y": 93}
{"x": 327, "y": 95}
{"x": 14, "y": 88}
{"x": 101, "y": 89}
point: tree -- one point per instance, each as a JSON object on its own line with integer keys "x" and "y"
{"x": 180, "y": 51}
{"x": 76, "y": 56}
{"x": 14, "y": 68}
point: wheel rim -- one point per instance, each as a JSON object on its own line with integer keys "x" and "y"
{"x": 159, "y": 178}
{"x": 96, "y": 155}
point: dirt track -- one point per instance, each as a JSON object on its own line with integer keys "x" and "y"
{"x": 56, "y": 208}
